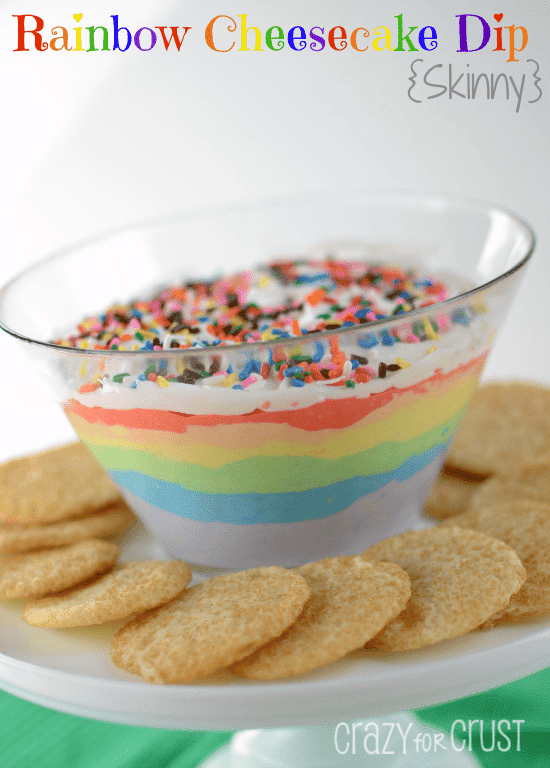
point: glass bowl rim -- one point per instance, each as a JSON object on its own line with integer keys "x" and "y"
{"x": 373, "y": 197}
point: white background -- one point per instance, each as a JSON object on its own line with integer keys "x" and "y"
{"x": 93, "y": 140}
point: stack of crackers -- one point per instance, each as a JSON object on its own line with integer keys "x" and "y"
{"x": 56, "y": 509}
{"x": 486, "y": 562}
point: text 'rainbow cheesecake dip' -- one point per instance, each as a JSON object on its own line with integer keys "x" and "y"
{"x": 281, "y": 414}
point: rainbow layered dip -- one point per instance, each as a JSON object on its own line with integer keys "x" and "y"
{"x": 276, "y": 382}
{"x": 305, "y": 416}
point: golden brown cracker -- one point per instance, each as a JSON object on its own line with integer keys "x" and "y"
{"x": 352, "y": 599}
{"x": 524, "y": 526}
{"x": 459, "y": 579}
{"x": 35, "y": 574}
{"x": 449, "y": 495}
{"x": 529, "y": 482}
{"x": 130, "y": 588}
{"x": 106, "y": 522}
{"x": 462, "y": 474}
{"x": 211, "y": 625}
{"x": 505, "y": 421}
{"x": 54, "y": 485}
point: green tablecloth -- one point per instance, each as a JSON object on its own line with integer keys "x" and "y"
{"x": 33, "y": 736}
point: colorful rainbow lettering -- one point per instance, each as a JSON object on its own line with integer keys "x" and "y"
{"x": 223, "y": 34}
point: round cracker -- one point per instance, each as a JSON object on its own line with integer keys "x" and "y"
{"x": 35, "y": 574}
{"x": 524, "y": 526}
{"x": 132, "y": 587}
{"x": 504, "y": 422}
{"x": 211, "y": 625}
{"x": 54, "y": 485}
{"x": 449, "y": 495}
{"x": 106, "y": 522}
{"x": 459, "y": 578}
{"x": 530, "y": 482}
{"x": 352, "y": 599}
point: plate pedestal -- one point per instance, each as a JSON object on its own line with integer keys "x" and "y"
{"x": 395, "y": 741}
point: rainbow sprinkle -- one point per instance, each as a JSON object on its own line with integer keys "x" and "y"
{"x": 285, "y": 300}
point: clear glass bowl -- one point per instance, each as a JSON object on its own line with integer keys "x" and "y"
{"x": 275, "y": 474}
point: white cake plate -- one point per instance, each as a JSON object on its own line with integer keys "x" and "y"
{"x": 69, "y": 670}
